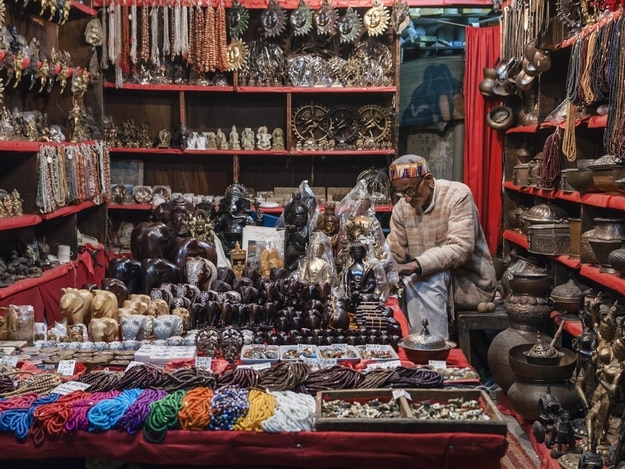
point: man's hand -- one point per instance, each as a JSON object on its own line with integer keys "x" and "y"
{"x": 409, "y": 268}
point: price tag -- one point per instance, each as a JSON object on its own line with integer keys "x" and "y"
{"x": 397, "y": 393}
{"x": 438, "y": 364}
{"x": 327, "y": 362}
{"x": 133, "y": 364}
{"x": 310, "y": 361}
{"x": 373, "y": 347}
{"x": 203, "y": 362}
{"x": 389, "y": 364}
{"x": 303, "y": 348}
{"x": 339, "y": 346}
{"x": 66, "y": 367}
{"x": 257, "y": 366}
{"x": 70, "y": 386}
{"x": 10, "y": 360}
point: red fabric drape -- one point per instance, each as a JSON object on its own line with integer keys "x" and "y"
{"x": 482, "y": 145}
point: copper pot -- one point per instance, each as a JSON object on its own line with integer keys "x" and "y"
{"x": 532, "y": 283}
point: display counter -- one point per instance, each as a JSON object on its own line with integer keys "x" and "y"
{"x": 304, "y": 449}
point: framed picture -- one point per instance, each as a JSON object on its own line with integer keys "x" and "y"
{"x": 257, "y": 238}
{"x": 127, "y": 172}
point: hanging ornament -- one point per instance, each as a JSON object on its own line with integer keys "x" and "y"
{"x": 400, "y": 16}
{"x": 273, "y": 19}
{"x": 325, "y": 19}
{"x": 238, "y": 19}
{"x": 301, "y": 19}
{"x": 376, "y": 19}
{"x": 349, "y": 26}
{"x": 237, "y": 54}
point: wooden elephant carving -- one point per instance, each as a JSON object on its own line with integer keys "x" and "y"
{"x": 128, "y": 271}
{"x": 158, "y": 271}
{"x": 104, "y": 304}
{"x": 149, "y": 240}
{"x": 75, "y": 305}
{"x": 116, "y": 286}
{"x": 103, "y": 329}
{"x": 191, "y": 247}
{"x": 199, "y": 272}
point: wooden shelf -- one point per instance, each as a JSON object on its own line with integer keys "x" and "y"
{"x": 112, "y": 206}
{"x": 170, "y": 87}
{"x": 612, "y": 281}
{"x": 68, "y": 210}
{"x": 251, "y": 89}
{"x": 22, "y": 221}
{"x": 25, "y": 284}
{"x": 318, "y": 153}
{"x": 596, "y": 199}
{"x": 83, "y": 8}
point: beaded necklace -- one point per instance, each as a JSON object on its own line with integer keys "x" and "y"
{"x": 154, "y": 52}
{"x": 133, "y": 33}
{"x": 145, "y": 34}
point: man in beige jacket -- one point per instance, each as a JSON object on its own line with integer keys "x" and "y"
{"x": 439, "y": 246}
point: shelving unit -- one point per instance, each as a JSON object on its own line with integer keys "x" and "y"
{"x": 589, "y": 132}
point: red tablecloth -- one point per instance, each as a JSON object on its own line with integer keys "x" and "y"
{"x": 306, "y": 449}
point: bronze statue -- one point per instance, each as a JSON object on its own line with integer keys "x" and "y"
{"x": 359, "y": 278}
{"x": 296, "y": 233}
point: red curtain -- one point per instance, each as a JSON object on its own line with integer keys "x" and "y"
{"x": 482, "y": 145}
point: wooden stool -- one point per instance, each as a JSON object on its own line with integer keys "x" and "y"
{"x": 472, "y": 320}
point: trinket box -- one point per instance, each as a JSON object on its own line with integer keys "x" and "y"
{"x": 377, "y": 352}
{"x": 341, "y": 352}
{"x": 420, "y": 411}
{"x": 551, "y": 239}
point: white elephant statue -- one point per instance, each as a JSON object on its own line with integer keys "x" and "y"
{"x": 103, "y": 329}
{"x": 166, "y": 326}
{"x": 134, "y": 327}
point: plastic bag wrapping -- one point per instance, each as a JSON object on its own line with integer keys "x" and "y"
{"x": 318, "y": 265}
{"x": 359, "y": 223}
{"x": 270, "y": 253}
{"x": 21, "y": 322}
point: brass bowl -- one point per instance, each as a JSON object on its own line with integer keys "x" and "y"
{"x": 602, "y": 249}
{"x": 522, "y": 369}
{"x": 544, "y": 361}
{"x": 423, "y": 356}
{"x": 581, "y": 180}
{"x": 532, "y": 283}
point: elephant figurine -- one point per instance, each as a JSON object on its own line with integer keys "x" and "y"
{"x": 185, "y": 317}
{"x": 116, "y": 286}
{"x": 191, "y": 247}
{"x": 128, "y": 271}
{"x": 200, "y": 272}
{"x": 75, "y": 306}
{"x": 134, "y": 327}
{"x": 148, "y": 240}
{"x": 166, "y": 326}
{"x": 103, "y": 329}
{"x": 104, "y": 304}
{"x": 158, "y": 271}
{"x": 139, "y": 302}
{"x": 158, "y": 308}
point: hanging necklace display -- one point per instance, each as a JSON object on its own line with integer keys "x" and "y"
{"x": 570, "y": 13}
{"x": 301, "y": 19}
{"x": 325, "y": 19}
{"x": 221, "y": 37}
{"x": 400, "y": 16}
{"x": 349, "y": 26}
{"x": 166, "y": 42}
{"x": 144, "y": 53}
{"x": 237, "y": 54}
{"x": 133, "y": 33}
{"x": 238, "y": 18}
{"x": 154, "y": 52}
{"x": 376, "y": 19}
{"x": 273, "y": 19}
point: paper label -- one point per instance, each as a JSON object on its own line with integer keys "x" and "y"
{"x": 438, "y": 364}
{"x": 373, "y": 347}
{"x": 203, "y": 362}
{"x": 257, "y": 366}
{"x": 327, "y": 362}
{"x": 310, "y": 361}
{"x": 10, "y": 360}
{"x": 66, "y": 367}
{"x": 70, "y": 386}
{"x": 133, "y": 364}
{"x": 397, "y": 393}
{"x": 389, "y": 364}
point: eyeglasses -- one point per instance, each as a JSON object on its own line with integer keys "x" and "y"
{"x": 411, "y": 191}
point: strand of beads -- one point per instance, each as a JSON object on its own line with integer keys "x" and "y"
{"x": 229, "y": 404}
{"x": 163, "y": 416}
{"x": 78, "y": 418}
{"x": 18, "y": 421}
{"x": 135, "y": 416}
{"x": 50, "y": 419}
{"x": 262, "y": 407}
{"x": 294, "y": 412}
{"x": 105, "y": 414}
{"x": 196, "y": 409}
{"x": 17, "y": 402}
{"x": 41, "y": 383}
